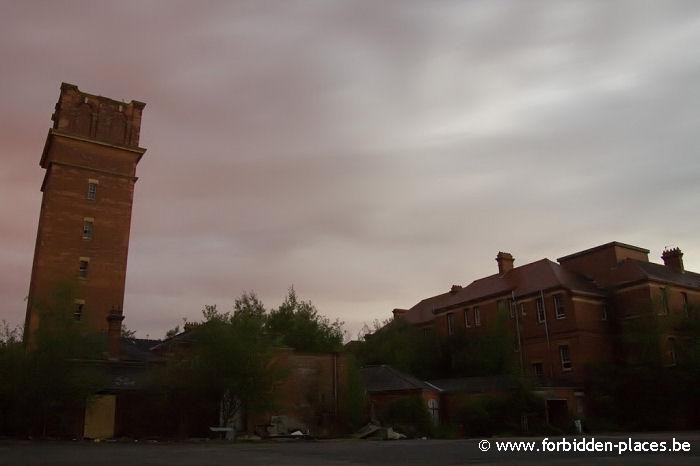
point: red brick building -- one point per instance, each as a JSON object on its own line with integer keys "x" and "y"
{"x": 564, "y": 316}
{"x": 90, "y": 158}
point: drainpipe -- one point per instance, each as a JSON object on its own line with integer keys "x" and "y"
{"x": 517, "y": 331}
{"x": 546, "y": 332}
{"x": 335, "y": 384}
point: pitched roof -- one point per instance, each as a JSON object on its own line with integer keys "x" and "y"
{"x": 137, "y": 349}
{"x": 523, "y": 280}
{"x": 475, "y": 384}
{"x": 385, "y": 378}
{"x": 631, "y": 270}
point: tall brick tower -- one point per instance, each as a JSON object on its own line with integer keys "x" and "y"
{"x": 90, "y": 158}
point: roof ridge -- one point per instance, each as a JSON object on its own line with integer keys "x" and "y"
{"x": 403, "y": 376}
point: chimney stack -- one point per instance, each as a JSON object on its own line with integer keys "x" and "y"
{"x": 399, "y": 313}
{"x": 505, "y": 262}
{"x": 673, "y": 259}
{"x": 114, "y": 332}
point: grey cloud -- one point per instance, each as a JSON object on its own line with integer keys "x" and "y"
{"x": 370, "y": 153}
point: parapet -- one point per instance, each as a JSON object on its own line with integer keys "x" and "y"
{"x": 98, "y": 118}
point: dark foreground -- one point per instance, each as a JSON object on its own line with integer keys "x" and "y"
{"x": 330, "y": 452}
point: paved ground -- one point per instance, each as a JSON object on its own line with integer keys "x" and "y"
{"x": 332, "y": 452}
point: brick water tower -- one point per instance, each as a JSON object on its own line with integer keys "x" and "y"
{"x": 90, "y": 158}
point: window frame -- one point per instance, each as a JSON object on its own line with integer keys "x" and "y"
{"x": 535, "y": 372}
{"x": 566, "y": 364}
{"x": 89, "y": 232}
{"x": 79, "y": 310}
{"x": 559, "y": 305}
{"x": 83, "y": 271}
{"x": 91, "y": 194}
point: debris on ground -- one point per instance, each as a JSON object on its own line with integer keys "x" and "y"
{"x": 377, "y": 432}
{"x": 367, "y": 430}
{"x": 285, "y": 425}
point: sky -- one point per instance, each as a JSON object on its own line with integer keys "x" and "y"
{"x": 370, "y": 154}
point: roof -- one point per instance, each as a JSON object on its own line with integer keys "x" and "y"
{"x": 383, "y": 378}
{"x": 425, "y": 309}
{"x": 475, "y": 384}
{"x": 601, "y": 247}
{"x": 520, "y": 281}
{"x": 631, "y": 270}
{"x": 137, "y": 349}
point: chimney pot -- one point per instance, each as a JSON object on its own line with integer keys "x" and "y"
{"x": 673, "y": 259}
{"x": 505, "y": 262}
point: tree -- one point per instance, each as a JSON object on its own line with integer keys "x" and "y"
{"x": 228, "y": 364}
{"x": 403, "y": 346}
{"x": 48, "y": 379}
{"x": 297, "y": 324}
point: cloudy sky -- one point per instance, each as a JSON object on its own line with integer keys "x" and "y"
{"x": 369, "y": 153}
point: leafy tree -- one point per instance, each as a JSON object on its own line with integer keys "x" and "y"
{"x": 47, "y": 381}
{"x": 228, "y": 363}
{"x": 297, "y": 324}
{"x": 407, "y": 348}
{"x": 403, "y": 346}
{"x": 353, "y": 397}
{"x": 643, "y": 390}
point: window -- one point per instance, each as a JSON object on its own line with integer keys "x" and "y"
{"x": 477, "y": 316}
{"x": 560, "y": 312}
{"x": 92, "y": 189}
{"x": 537, "y": 369}
{"x": 466, "y": 318}
{"x": 87, "y": 228}
{"x": 522, "y": 310}
{"x": 672, "y": 351}
{"x": 604, "y": 312}
{"x": 686, "y": 307}
{"x": 427, "y": 331}
{"x": 513, "y": 309}
{"x": 434, "y": 409}
{"x": 78, "y": 311}
{"x": 541, "y": 317}
{"x": 83, "y": 268}
{"x": 565, "y": 357}
{"x": 450, "y": 324}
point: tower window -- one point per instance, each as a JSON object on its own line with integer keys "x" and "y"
{"x": 92, "y": 190}
{"x": 87, "y": 228}
{"x": 78, "y": 311}
{"x": 83, "y": 269}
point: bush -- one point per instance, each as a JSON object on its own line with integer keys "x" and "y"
{"x": 409, "y": 416}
